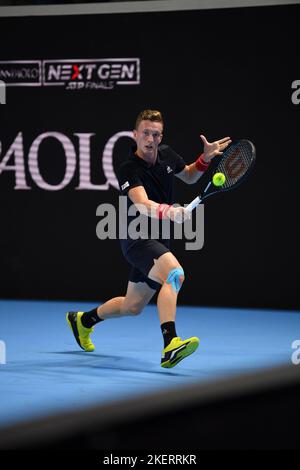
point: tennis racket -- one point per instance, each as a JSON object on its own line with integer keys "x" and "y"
{"x": 235, "y": 163}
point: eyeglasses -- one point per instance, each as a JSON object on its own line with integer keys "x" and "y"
{"x": 155, "y": 134}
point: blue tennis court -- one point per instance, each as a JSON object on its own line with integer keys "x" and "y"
{"x": 46, "y": 372}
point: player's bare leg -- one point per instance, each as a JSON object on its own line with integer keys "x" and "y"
{"x": 168, "y": 272}
{"x": 138, "y": 295}
{"x": 167, "y": 297}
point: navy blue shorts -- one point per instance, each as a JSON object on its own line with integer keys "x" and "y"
{"x": 141, "y": 255}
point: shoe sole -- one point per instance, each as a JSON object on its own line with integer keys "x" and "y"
{"x": 190, "y": 348}
{"x": 74, "y": 329}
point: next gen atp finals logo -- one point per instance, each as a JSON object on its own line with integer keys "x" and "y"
{"x": 72, "y": 74}
{"x": 91, "y": 74}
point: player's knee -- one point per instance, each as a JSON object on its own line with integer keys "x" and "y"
{"x": 176, "y": 278}
{"x": 134, "y": 309}
{"x": 181, "y": 279}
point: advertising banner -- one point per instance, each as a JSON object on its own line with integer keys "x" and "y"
{"x": 71, "y": 89}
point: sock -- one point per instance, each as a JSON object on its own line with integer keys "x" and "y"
{"x": 90, "y": 319}
{"x": 169, "y": 331}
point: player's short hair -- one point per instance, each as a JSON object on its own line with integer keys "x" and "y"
{"x": 149, "y": 115}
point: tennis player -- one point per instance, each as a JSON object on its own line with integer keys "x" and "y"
{"x": 146, "y": 178}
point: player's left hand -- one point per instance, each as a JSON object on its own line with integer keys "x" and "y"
{"x": 211, "y": 149}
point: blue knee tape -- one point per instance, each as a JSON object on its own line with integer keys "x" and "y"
{"x": 173, "y": 278}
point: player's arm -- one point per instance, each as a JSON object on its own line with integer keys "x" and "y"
{"x": 191, "y": 173}
{"x": 153, "y": 209}
{"x": 139, "y": 197}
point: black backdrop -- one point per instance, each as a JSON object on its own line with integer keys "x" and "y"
{"x": 216, "y": 72}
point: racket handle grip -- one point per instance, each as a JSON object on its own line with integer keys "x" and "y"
{"x": 193, "y": 204}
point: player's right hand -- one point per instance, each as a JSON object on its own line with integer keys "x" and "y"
{"x": 178, "y": 214}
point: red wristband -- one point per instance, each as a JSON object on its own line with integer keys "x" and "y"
{"x": 201, "y": 165}
{"x": 162, "y": 210}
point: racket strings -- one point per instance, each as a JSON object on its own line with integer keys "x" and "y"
{"x": 236, "y": 164}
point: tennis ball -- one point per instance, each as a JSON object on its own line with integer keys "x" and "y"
{"x": 219, "y": 179}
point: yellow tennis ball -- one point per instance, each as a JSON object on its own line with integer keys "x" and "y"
{"x": 219, "y": 179}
